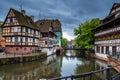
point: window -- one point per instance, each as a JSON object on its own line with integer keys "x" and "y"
{"x": 19, "y": 39}
{"x": 36, "y": 32}
{"x": 33, "y": 40}
{"x": 8, "y": 39}
{"x": 45, "y": 42}
{"x": 24, "y": 29}
{"x": 28, "y": 30}
{"x": 26, "y": 39}
{"x": 12, "y": 29}
{"x": 15, "y": 29}
{"x": 23, "y": 39}
{"x": 98, "y": 49}
{"x": 102, "y": 49}
{"x": 107, "y": 49}
{"x": 41, "y": 23}
{"x": 10, "y": 20}
{"x": 19, "y": 29}
{"x": 29, "y": 39}
{"x": 24, "y": 49}
{"x": 32, "y": 31}
{"x": 50, "y": 29}
{"x": 13, "y": 39}
{"x": 17, "y": 49}
{"x": 16, "y": 39}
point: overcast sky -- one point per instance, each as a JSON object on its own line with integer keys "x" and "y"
{"x": 70, "y": 12}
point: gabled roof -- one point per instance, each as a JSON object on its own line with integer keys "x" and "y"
{"x": 114, "y": 6}
{"x": 45, "y": 24}
{"x": 56, "y": 25}
{"x": 112, "y": 16}
{"x": 24, "y": 20}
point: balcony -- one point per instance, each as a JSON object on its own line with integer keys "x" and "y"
{"x": 107, "y": 31}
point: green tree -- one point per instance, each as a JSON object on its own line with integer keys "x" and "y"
{"x": 64, "y": 42}
{"x": 85, "y": 33}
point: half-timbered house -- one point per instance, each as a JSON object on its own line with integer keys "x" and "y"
{"x": 107, "y": 35}
{"x": 20, "y": 33}
{"x": 47, "y": 35}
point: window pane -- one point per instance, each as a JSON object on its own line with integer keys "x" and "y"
{"x": 15, "y": 29}
{"x": 28, "y": 30}
{"x": 26, "y": 39}
{"x": 18, "y": 39}
{"x": 11, "y": 20}
{"x": 13, "y": 39}
{"x": 24, "y": 29}
{"x": 33, "y": 40}
{"x": 8, "y": 20}
{"x": 36, "y": 32}
{"x": 23, "y": 39}
{"x": 32, "y": 31}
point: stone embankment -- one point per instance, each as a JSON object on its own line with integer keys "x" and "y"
{"x": 13, "y": 58}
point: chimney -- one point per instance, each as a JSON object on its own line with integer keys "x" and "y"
{"x": 23, "y": 12}
{"x": 32, "y": 17}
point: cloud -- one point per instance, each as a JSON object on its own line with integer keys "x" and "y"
{"x": 70, "y": 12}
{"x": 68, "y": 36}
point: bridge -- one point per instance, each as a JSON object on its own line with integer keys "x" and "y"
{"x": 67, "y": 48}
{"x": 89, "y": 75}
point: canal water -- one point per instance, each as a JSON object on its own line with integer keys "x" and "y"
{"x": 53, "y": 66}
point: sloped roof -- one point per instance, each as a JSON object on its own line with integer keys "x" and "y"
{"x": 45, "y": 24}
{"x": 115, "y": 5}
{"x": 56, "y": 25}
{"x": 111, "y": 16}
{"x": 24, "y": 19}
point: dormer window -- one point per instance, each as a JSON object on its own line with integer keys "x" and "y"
{"x": 10, "y": 20}
{"x": 50, "y": 29}
{"x": 41, "y": 23}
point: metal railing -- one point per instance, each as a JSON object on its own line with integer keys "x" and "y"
{"x": 90, "y": 74}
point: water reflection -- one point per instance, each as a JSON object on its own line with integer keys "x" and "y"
{"x": 53, "y": 66}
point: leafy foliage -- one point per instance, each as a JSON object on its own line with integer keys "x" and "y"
{"x": 85, "y": 33}
{"x": 1, "y": 23}
{"x": 64, "y": 42}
